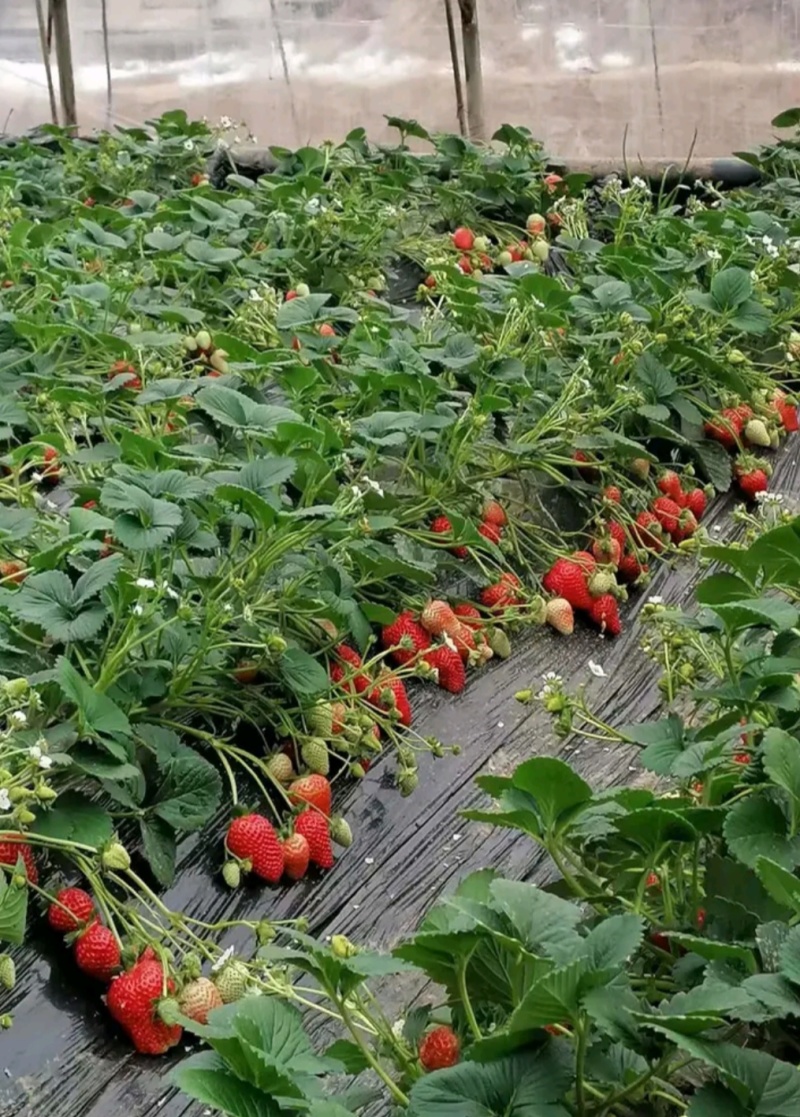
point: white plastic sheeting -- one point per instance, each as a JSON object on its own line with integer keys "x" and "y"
{"x": 577, "y": 72}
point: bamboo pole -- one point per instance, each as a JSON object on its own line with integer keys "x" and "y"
{"x": 451, "y": 36}
{"x": 107, "y": 56}
{"x": 48, "y": 69}
{"x": 473, "y": 74}
{"x": 66, "y": 74}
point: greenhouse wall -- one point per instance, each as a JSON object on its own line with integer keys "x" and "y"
{"x": 577, "y": 72}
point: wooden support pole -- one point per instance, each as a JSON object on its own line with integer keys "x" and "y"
{"x": 66, "y": 74}
{"x": 451, "y": 37}
{"x": 48, "y": 69}
{"x": 473, "y": 74}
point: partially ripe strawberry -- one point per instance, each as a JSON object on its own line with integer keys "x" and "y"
{"x": 439, "y": 1049}
{"x": 314, "y": 828}
{"x": 252, "y": 838}
{"x": 607, "y": 550}
{"x": 560, "y": 616}
{"x": 326, "y": 330}
{"x": 73, "y": 908}
{"x": 296, "y": 856}
{"x": 439, "y": 619}
{"x": 613, "y": 494}
{"x": 314, "y": 790}
{"x": 97, "y": 952}
{"x": 198, "y": 998}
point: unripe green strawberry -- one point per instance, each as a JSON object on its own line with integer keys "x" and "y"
{"x": 320, "y": 719}
{"x": 756, "y": 433}
{"x": 315, "y": 755}
{"x": 499, "y": 643}
{"x": 407, "y": 781}
{"x": 203, "y": 340}
{"x": 641, "y": 468}
{"x": 341, "y": 832}
{"x": 602, "y": 581}
{"x": 115, "y": 857}
{"x": 8, "y": 971}
{"x": 504, "y": 259}
{"x": 342, "y": 947}
{"x": 280, "y": 767}
{"x": 303, "y": 290}
{"x": 232, "y": 981}
{"x": 540, "y": 249}
{"x": 232, "y": 874}
{"x": 357, "y": 771}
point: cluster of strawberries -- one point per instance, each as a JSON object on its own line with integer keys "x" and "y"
{"x": 742, "y": 426}
{"x": 587, "y": 581}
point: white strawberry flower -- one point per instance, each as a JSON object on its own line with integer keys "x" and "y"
{"x": 19, "y": 717}
{"x": 5, "y": 802}
{"x": 145, "y": 584}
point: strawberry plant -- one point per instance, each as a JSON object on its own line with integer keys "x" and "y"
{"x": 659, "y": 973}
{"x": 252, "y": 497}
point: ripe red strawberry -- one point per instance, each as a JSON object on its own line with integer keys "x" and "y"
{"x": 198, "y": 998}
{"x": 696, "y": 503}
{"x": 439, "y": 1049}
{"x": 97, "y": 952}
{"x": 687, "y": 526}
{"x": 604, "y": 612}
{"x": 661, "y": 941}
{"x": 700, "y": 918}
{"x": 326, "y": 330}
{"x": 583, "y": 463}
{"x": 752, "y": 482}
{"x": 585, "y": 560}
{"x": 439, "y": 619}
{"x": 648, "y": 532}
{"x": 667, "y": 512}
{"x": 358, "y": 682}
{"x": 493, "y": 513}
{"x": 630, "y": 568}
{"x": 613, "y": 494}
{"x": 251, "y": 837}
{"x": 502, "y": 594}
{"x": 79, "y": 910}
{"x": 607, "y": 550}
{"x": 559, "y": 615}
{"x": 12, "y": 847}
{"x": 465, "y": 265}
{"x": 725, "y": 428}
{"x": 314, "y": 790}
{"x": 744, "y": 411}
{"x": 133, "y": 999}
{"x": 468, "y": 615}
{"x": 670, "y": 485}
{"x": 653, "y": 881}
{"x": 442, "y": 526}
{"x": 246, "y": 672}
{"x": 491, "y": 532}
{"x": 568, "y": 579}
{"x": 788, "y": 415}
{"x": 463, "y": 239}
{"x": 314, "y": 828}
{"x": 742, "y": 758}
{"x": 404, "y": 638}
{"x": 398, "y": 701}
{"x": 296, "y": 856}
{"x": 452, "y": 675}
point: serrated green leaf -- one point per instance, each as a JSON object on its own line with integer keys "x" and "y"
{"x": 98, "y": 714}
{"x": 13, "y": 907}
{"x": 75, "y": 818}
{"x": 302, "y": 673}
{"x": 160, "y": 848}
{"x": 189, "y": 793}
{"x": 529, "y": 1084}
